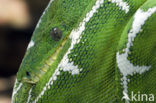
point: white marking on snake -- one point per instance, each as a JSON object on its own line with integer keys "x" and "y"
{"x": 123, "y": 5}
{"x": 16, "y": 89}
{"x": 65, "y": 65}
{"x": 125, "y": 66}
{"x": 29, "y": 96}
{"x": 31, "y": 44}
{"x": 38, "y": 24}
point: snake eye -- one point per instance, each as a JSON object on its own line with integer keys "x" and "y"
{"x": 56, "y": 34}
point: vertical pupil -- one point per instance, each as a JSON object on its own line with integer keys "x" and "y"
{"x": 56, "y": 34}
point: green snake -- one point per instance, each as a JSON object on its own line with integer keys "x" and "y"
{"x": 91, "y": 51}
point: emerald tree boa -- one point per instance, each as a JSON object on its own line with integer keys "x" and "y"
{"x": 90, "y": 51}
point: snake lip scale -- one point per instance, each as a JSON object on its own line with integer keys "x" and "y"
{"x": 90, "y": 51}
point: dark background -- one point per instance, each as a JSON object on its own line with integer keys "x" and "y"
{"x": 13, "y": 44}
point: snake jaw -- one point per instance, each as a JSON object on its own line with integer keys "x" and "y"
{"x": 30, "y": 81}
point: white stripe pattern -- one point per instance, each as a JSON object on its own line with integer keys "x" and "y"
{"x": 65, "y": 65}
{"x": 31, "y": 44}
{"x": 29, "y": 95}
{"x": 125, "y": 66}
{"x": 123, "y": 5}
{"x": 38, "y": 24}
{"x": 16, "y": 89}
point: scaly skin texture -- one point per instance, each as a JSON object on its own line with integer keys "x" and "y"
{"x": 107, "y": 51}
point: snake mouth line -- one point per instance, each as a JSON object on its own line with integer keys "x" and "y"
{"x": 43, "y": 69}
{"x": 53, "y": 57}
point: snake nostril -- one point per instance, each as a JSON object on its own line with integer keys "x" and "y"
{"x": 28, "y": 74}
{"x": 56, "y": 34}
